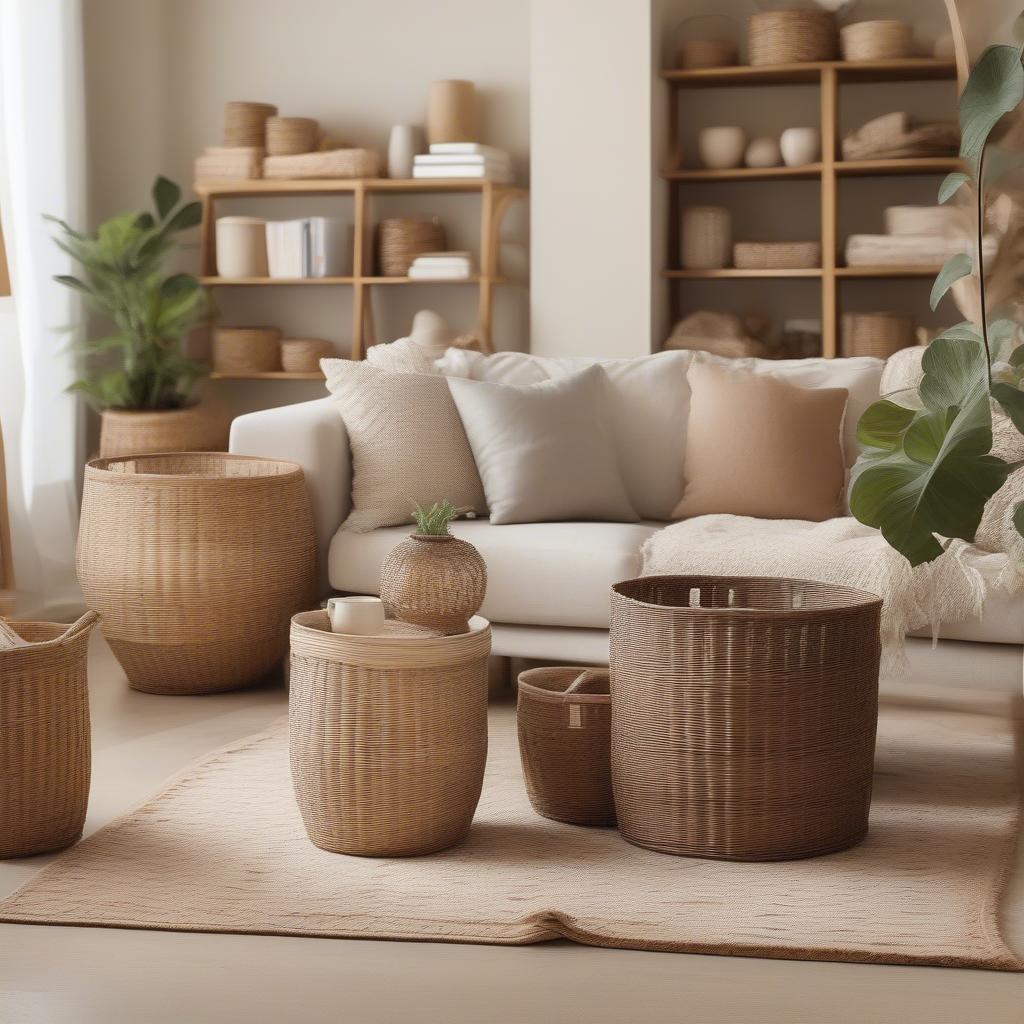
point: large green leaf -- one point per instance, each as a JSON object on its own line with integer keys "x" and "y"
{"x": 187, "y": 217}
{"x": 995, "y": 88}
{"x": 1011, "y": 400}
{"x": 956, "y": 267}
{"x": 951, "y": 184}
{"x": 883, "y": 425}
{"x": 953, "y": 370}
{"x": 165, "y": 196}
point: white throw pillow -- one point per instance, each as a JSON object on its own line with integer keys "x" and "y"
{"x": 545, "y": 451}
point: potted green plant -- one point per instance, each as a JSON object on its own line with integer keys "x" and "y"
{"x": 138, "y": 377}
{"x": 927, "y": 471}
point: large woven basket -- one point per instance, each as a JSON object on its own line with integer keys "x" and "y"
{"x": 401, "y": 239}
{"x": 564, "y": 722}
{"x": 247, "y": 349}
{"x": 44, "y": 737}
{"x": 776, "y": 255}
{"x": 199, "y": 428}
{"x": 885, "y": 39}
{"x": 877, "y": 334}
{"x": 196, "y": 563}
{"x": 743, "y": 727}
{"x": 303, "y": 355}
{"x": 792, "y": 36}
{"x": 388, "y": 735}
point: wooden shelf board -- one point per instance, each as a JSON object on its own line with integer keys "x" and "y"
{"x": 744, "y": 173}
{"x": 232, "y": 282}
{"x": 475, "y": 279}
{"x": 701, "y": 275}
{"x": 908, "y": 165}
{"x": 910, "y": 69}
{"x": 277, "y": 375}
{"x": 887, "y": 271}
{"x": 333, "y": 186}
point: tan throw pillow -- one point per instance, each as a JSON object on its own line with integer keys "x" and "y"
{"x": 757, "y": 446}
{"x": 407, "y": 444}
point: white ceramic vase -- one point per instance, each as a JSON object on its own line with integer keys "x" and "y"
{"x": 800, "y": 146}
{"x": 763, "y": 153}
{"x": 405, "y": 142}
{"x": 722, "y": 147}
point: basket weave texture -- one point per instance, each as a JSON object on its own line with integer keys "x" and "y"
{"x": 303, "y": 355}
{"x": 388, "y": 736}
{"x": 196, "y": 563}
{"x": 743, "y": 729}
{"x": 289, "y": 136}
{"x": 792, "y": 36}
{"x": 245, "y": 123}
{"x": 247, "y": 349}
{"x": 199, "y": 428}
{"x": 776, "y": 255}
{"x": 877, "y": 334}
{"x": 564, "y": 744}
{"x": 886, "y": 39}
{"x": 333, "y": 163}
{"x": 401, "y": 239}
{"x": 44, "y": 738}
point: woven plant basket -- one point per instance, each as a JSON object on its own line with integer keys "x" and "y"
{"x": 196, "y": 563}
{"x": 877, "y": 334}
{"x": 44, "y": 737}
{"x": 437, "y": 582}
{"x": 743, "y": 729}
{"x": 401, "y": 239}
{"x": 706, "y": 240}
{"x": 776, "y": 255}
{"x": 245, "y": 123}
{"x": 290, "y": 136}
{"x": 303, "y": 355}
{"x": 877, "y": 40}
{"x": 792, "y": 36}
{"x": 564, "y": 722}
{"x": 246, "y": 349}
{"x": 388, "y": 736}
{"x": 199, "y": 428}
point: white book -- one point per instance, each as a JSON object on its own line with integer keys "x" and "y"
{"x": 458, "y": 159}
{"x": 467, "y": 149}
{"x": 445, "y": 258}
{"x": 330, "y": 247}
{"x": 464, "y": 171}
{"x": 439, "y": 273}
{"x": 286, "y": 248}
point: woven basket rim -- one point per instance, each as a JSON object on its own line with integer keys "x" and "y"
{"x": 99, "y": 468}
{"x": 535, "y": 692}
{"x": 129, "y": 413}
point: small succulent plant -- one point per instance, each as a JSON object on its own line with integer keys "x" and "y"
{"x": 433, "y": 521}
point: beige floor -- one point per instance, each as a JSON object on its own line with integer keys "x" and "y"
{"x": 97, "y": 976}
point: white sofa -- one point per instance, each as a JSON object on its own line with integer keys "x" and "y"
{"x": 548, "y": 583}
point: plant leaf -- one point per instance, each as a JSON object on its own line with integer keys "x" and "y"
{"x": 953, "y": 371}
{"x": 956, "y": 267}
{"x": 187, "y": 217}
{"x": 1011, "y": 400}
{"x": 995, "y": 87}
{"x": 166, "y": 196}
{"x": 72, "y": 282}
{"x": 951, "y": 185}
{"x": 176, "y": 284}
{"x": 883, "y": 425}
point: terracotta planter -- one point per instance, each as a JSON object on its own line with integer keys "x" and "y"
{"x": 438, "y": 582}
{"x": 199, "y": 428}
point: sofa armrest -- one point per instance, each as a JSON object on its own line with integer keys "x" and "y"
{"x": 313, "y": 435}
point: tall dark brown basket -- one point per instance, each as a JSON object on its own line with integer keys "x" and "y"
{"x": 743, "y": 726}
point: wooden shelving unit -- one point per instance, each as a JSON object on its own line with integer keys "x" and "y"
{"x": 828, "y": 76}
{"x": 495, "y": 199}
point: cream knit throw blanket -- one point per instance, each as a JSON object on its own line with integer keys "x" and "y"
{"x": 840, "y": 551}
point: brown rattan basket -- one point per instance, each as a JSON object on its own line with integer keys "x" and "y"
{"x": 877, "y": 334}
{"x": 401, "y": 239}
{"x": 289, "y": 136}
{"x": 743, "y": 728}
{"x": 199, "y": 428}
{"x": 303, "y": 355}
{"x": 388, "y": 735}
{"x": 245, "y": 123}
{"x": 247, "y": 349}
{"x": 44, "y": 737}
{"x": 564, "y": 721}
{"x": 776, "y": 255}
{"x": 792, "y": 36}
{"x": 886, "y": 39}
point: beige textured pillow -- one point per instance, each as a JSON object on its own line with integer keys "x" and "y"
{"x": 757, "y": 446}
{"x": 407, "y": 444}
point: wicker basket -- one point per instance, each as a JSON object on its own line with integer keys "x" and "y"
{"x": 564, "y": 721}
{"x": 743, "y": 729}
{"x": 706, "y": 53}
{"x": 290, "y": 136}
{"x": 199, "y": 428}
{"x": 706, "y": 242}
{"x": 776, "y": 255}
{"x": 245, "y": 123}
{"x": 792, "y": 36}
{"x": 877, "y": 40}
{"x": 388, "y": 736}
{"x": 303, "y": 355}
{"x": 334, "y": 163}
{"x": 44, "y": 737}
{"x": 196, "y": 563}
{"x": 401, "y": 239}
{"x": 246, "y": 349}
{"x": 877, "y": 334}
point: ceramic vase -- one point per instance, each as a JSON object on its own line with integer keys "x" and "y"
{"x": 452, "y": 114}
{"x": 722, "y": 148}
{"x": 405, "y": 142}
{"x": 763, "y": 153}
{"x": 800, "y": 146}
{"x": 434, "y": 581}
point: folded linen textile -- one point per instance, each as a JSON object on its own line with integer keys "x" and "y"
{"x": 838, "y": 551}
{"x": 909, "y": 250}
{"x": 895, "y": 135}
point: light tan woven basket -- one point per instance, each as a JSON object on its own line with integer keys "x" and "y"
{"x": 886, "y": 39}
{"x": 196, "y": 563}
{"x": 388, "y": 736}
{"x": 246, "y": 349}
{"x": 706, "y": 53}
{"x": 401, "y": 239}
{"x": 44, "y": 737}
{"x": 792, "y": 36}
{"x": 743, "y": 729}
{"x": 289, "y": 136}
{"x": 303, "y": 355}
{"x": 199, "y": 428}
{"x": 706, "y": 239}
{"x": 877, "y": 334}
{"x": 334, "y": 163}
{"x": 564, "y": 722}
{"x": 245, "y": 122}
{"x": 776, "y": 255}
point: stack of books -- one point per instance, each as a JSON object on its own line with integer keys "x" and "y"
{"x": 309, "y": 247}
{"x": 464, "y": 160}
{"x": 442, "y": 266}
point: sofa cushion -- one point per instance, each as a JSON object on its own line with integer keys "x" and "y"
{"x": 541, "y": 574}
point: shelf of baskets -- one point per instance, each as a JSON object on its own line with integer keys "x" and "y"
{"x": 495, "y": 200}
{"x": 828, "y": 77}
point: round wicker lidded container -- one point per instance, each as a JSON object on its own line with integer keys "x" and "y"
{"x": 564, "y": 722}
{"x": 884, "y": 39}
{"x": 388, "y": 735}
{"x": 401, "y": 239}
{"x": 196, "y": 563}
{"x": 290, "y": 136}
{"x": 245, "y": 122}
{"x": 743, "y": 726}
{"x": 796, "y": 35}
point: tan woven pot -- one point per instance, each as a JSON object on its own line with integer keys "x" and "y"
{"x": 401, "y": 239}
{"x": 290, "y": 136}
{"x": 886, "y": 39}
{"x": 706, "y": 240}
{"x": 564, "y": 722}
{"x": 792, "y": 36}
{"x": 438, "y": 582}
{"x": 245, "y": 123}
{"x": 303, "y": 355}
{"x": 196, "y": 563}
{"x": 44, "y": 738}
{"x": 743, "y": 728}
{"x": 247, "y": 349}
{"x": 199, "y": 428}
{"x": 776, "y": 255}
{"x": 388, "y": 736}
{"x": 877, "y": 334}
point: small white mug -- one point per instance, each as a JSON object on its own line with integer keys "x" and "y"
{"x": 362, "y": 616}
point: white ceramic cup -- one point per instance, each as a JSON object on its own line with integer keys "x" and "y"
{"x": 362, "y": 616}
{"x": 763, "y": 152}
{"x": 800, "y": 146}
{"x": 722, "y": 148}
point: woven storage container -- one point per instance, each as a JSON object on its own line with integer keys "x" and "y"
{"x": 743, "y": 729}
{"x": 245, "y": 123}
{"x": 706, "y": 53}
{"x": 877, "y": 40}
{"x": 44, "y": 737}
{"x": 877, "y": 334}
{"x": 196, "y": 563}
{"x": 303, "y": 355}
{"x": 401, "y": 239}
{"x": 388, "y": 735}
{"x": 706, "y": 242}
{"x": 563, "y": 743}
{"x": 333, "y": 163}
{"x": 777, "y": 255}
{"x": 246, "y": 349}
{"x": 289, "y": 136}
{"x": 792, "y": 36}
{"x": 199, "y": 428}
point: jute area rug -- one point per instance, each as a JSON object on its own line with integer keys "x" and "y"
{"x": 222, "y": 849}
